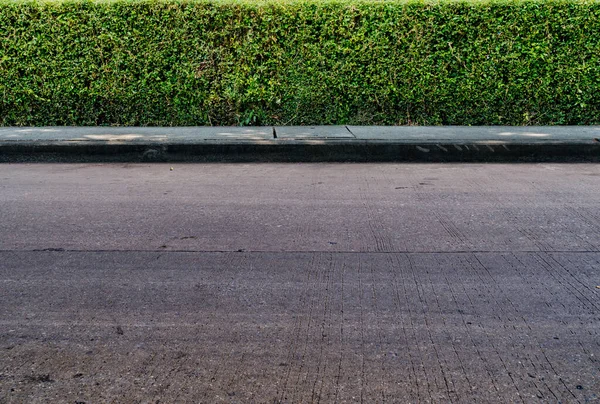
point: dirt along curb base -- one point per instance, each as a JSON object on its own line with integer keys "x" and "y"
{"x": 301, "y": 144}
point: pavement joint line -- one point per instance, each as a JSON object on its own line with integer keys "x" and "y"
{"x": 348, "y": 129}
{"x": 60, "y": 250}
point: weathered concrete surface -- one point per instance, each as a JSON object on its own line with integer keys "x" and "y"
{"x": 313, "y": 132}
{"x": 354, "y": 283}
{"x": 300, "y": 143}
{"x": 299, "y": 327}
{"x": 190, "y": 134}
{"x": 301, "y": 207}
{"x": 476, "y": 134}
{"x": 150, "y": 135}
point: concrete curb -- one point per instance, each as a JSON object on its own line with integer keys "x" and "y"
{"x": 300, "y": 144}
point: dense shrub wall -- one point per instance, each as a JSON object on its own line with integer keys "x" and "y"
{"x": 299, "y": 62}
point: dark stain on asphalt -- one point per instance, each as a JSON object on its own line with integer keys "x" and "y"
{"x": 179, "y": 355}
{"x": 44, "y": 378}
{"x": 120, "y": 330}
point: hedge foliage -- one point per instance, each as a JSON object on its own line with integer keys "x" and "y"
{"x": 198, "y": 62}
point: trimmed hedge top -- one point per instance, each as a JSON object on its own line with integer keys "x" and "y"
{"x": 301, "y": 62}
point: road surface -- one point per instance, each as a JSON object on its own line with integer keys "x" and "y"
{"x": 294, "y": 283}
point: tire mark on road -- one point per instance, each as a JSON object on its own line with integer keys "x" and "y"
{"x": 379, "y": 331}
{"x": 505, "y": 317}
{"x": 583, "y": 286}
{"x": 435, "y": 293}
{"x": 452, "y": 230}
{"x": 476, "y": 308}
{"x": 560, "y": 279}
{"x": 381, "y": 236}
{"x": 309, "y": 292}
{"x": 297, "y": 329}
{"x": 433, "y": 345}
{"x": 324, "y": 326}
{"x": 396, "y": 267}
{"x": 362, "y": 334}
{"x": 465, "y": 324}
{"x": 341, "y": 351}
{"x": 538, "y": 345}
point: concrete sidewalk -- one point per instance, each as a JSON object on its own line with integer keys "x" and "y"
{"x": 301, "y": 143}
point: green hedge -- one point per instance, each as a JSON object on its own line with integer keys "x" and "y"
{"x": 299, "y": 62}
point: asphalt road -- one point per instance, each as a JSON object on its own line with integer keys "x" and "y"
{"x": 299, "y": 283}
